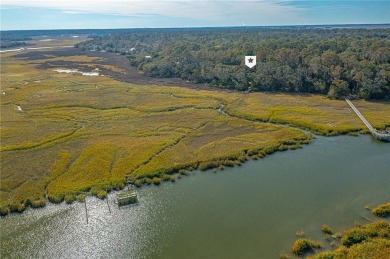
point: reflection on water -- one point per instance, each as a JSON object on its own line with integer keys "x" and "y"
{"x": 252, "y": 211}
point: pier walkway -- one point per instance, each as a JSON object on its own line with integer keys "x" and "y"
{"x": 383, "y": 136}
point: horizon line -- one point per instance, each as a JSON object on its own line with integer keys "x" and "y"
{"x": 206, "y": 27}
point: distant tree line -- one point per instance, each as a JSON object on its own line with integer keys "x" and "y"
{"x": 336, "y": 62}
{"x": 10, "y": 44}
{"x": 10, "y": 40}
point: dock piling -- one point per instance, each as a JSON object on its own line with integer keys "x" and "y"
{"x": 108, "y": 205}
{"x": 86, "y": 210}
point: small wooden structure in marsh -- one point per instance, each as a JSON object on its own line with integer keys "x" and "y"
{"x": 127, "y": 197}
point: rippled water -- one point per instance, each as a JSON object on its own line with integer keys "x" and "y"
{"x": 252, "y": 211}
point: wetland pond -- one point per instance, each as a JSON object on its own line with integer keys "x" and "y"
{"x": 251, "y": 211}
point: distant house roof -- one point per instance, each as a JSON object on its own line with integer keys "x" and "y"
{"x": 148, "y": 56}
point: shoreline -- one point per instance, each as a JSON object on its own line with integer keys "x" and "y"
{"x": 206, "y": 193}
{"x": 170, "y": 175}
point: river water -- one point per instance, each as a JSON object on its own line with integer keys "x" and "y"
{"x": 252, "y": 211}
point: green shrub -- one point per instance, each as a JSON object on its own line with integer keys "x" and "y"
{"x": 101, "y": 194}
{"x": 229, "y": 163}
{"x": 325, "y": 255}
{"x": 4, "y": 210}
{"x": 242, "y": 158}
{"x": 42, "y": 202}
{"x": 69, "y": 198}
{"x": 38, "y": 203}
{"x": 293, "y": 147}
{"x": 208, "y": 165}
{"x": 138, "y": 183}
{"x": 118, "y": 185}
{"x": 56, "y": 197}
{"x": 362, "y": 241}
{"x": 17, "y": 207}
{"x": 80, "y": 197}
{"x": 252, "y": 152}
{"x": 203, "y": 166}
{"x": 184, "y": 172}
{"x": 375, "y": 249}
{"x": 166, "y": 177}
{"x": 382, "y": 210}
{"x": 355, "y": 236}
{"x": 172, "y": 178}
{"x": 326, "y": 230}
{"x": 147, "y": 180}
{"x": 282, "y": 147}
{"x": 302, "y": 246}
{"x": 156, "y": 180}
{"x": 379, "y": 229}
{"x": 106, "y": 186}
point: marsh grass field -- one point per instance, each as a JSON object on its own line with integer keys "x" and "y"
{"x": 64, "y": 134}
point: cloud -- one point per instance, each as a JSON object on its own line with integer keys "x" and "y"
{"x": 254, "y": 12}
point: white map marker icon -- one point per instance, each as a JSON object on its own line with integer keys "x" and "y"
{"x": 250, "y": 61}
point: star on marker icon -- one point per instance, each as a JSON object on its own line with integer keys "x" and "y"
{"x": 250, "y": 61}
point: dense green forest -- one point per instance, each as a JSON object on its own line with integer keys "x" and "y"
{"x": 333, "y": 61}
{"x": 11, "y": 44}
{"x": 10, "y": 40}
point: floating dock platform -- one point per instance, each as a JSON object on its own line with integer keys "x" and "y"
{"x": 126, "y": 197}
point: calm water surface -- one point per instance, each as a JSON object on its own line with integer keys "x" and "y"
{"x": 252, "y": 211}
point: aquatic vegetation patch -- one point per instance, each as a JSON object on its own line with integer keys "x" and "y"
{"x": 156, "y": 180}
{"x": 327, "y": 230}
{"x": 371, "y": 240}
{"x": 304, "y": 245}
{"x": 382, "y": 210}
{"x": 361, "y": 233}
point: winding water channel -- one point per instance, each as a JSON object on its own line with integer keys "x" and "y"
{"x": 251, "y": 211}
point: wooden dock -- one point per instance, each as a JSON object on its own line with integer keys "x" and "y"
{"x": 383, "y": 136}
{"x": 126, "y": 197}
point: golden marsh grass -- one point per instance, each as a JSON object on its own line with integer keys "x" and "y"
{"x": 76, "y": 134}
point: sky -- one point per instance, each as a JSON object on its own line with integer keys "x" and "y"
{"x": 95, "y": 14}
